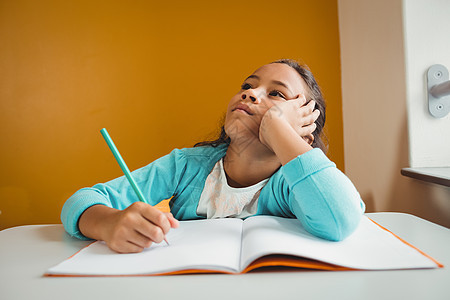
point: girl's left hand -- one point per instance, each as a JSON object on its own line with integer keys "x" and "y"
{"x": 294, "y": 113}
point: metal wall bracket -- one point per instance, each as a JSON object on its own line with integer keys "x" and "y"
{"x": 438, "y": 86}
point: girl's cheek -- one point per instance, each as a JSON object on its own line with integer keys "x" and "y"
{"x": 264, "y": 107}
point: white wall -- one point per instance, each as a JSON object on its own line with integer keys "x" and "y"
{"x": 375, "y": 91}
{"x": 427, "y": 42}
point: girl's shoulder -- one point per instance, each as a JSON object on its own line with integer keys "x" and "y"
{"x": 205, "y": 151}
{"x": 180, "y": 160}
{"x": 205, "y": 156}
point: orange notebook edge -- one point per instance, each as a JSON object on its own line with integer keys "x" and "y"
{"x": 292, "y": 261}
{"x": 265, "y": 261}
{"x": 410, "y": 245}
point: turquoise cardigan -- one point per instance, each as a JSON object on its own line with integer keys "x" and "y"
{"x": 309, "y": 187}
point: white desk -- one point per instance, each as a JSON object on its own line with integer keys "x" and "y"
{"x": 27, "y": 251}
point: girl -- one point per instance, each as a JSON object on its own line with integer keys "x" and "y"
{"x": 268, "y": 160}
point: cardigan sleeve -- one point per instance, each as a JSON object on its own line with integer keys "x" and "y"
{"x": 319, "y": 195}
{"x": 157, "y": 181}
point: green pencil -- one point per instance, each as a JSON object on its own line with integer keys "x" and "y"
{"x": 124, "y": 167}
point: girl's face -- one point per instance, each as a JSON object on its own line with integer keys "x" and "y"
{"x": 269, "y": 85}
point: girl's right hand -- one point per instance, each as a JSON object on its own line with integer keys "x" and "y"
{"x": 127, "y": 231}
{"x": 298, "y": 114}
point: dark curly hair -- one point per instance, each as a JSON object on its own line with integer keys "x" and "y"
{"x": 313, "y": 93}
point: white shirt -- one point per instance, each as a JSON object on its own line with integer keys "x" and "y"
{"x": 219, "y": 200}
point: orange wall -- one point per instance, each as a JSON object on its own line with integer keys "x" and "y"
{"x": 156, "y": 75}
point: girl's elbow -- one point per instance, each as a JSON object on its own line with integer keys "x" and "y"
{"x": 346, "y": 219}
{"x": 337, "y": 228}
{"x": 343, "y": 227}
{"x": 344, "y": 230}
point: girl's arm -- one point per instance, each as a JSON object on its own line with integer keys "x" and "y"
{"x": 111, "y": 211}
{"x": 286, "y": 127}
{"x": 318, "y": 194}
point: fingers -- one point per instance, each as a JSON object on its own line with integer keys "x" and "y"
{"x": 307, "y": 132}
{"x": 173, "y": 222}
{"x": 306, "y": 122}
{"x": 309, "y": 114}
{"x": 127, "y": 240}
{"x": 138, "y": 226}
{"x": 135, "y": 242}
{"x": 301, "y": 99}
{"x": 311, "y": 117}
{"x": 156, "y": 218}
{"x": 310, "y": 106}
{"x": 309, "y": 128}
{"x": 150, "y": 230}
{"x": 127, "y": 247}
{"x": 307, "y": 108}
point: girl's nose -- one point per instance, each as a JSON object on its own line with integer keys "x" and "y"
{"x": 250, "y": 95}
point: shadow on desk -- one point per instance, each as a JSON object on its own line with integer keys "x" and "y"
{"x": 56, "y": 234}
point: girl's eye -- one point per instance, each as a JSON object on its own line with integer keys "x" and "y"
{"x": 246, "y": 86}
{"x": 277, "y": 94}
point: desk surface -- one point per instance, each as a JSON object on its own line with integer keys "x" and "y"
{"x": 26, "y": 252}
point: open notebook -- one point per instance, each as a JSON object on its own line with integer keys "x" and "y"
{"x": 237, "y": 246}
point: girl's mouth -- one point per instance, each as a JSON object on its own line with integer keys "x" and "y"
{"x": 243, "y": 107}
